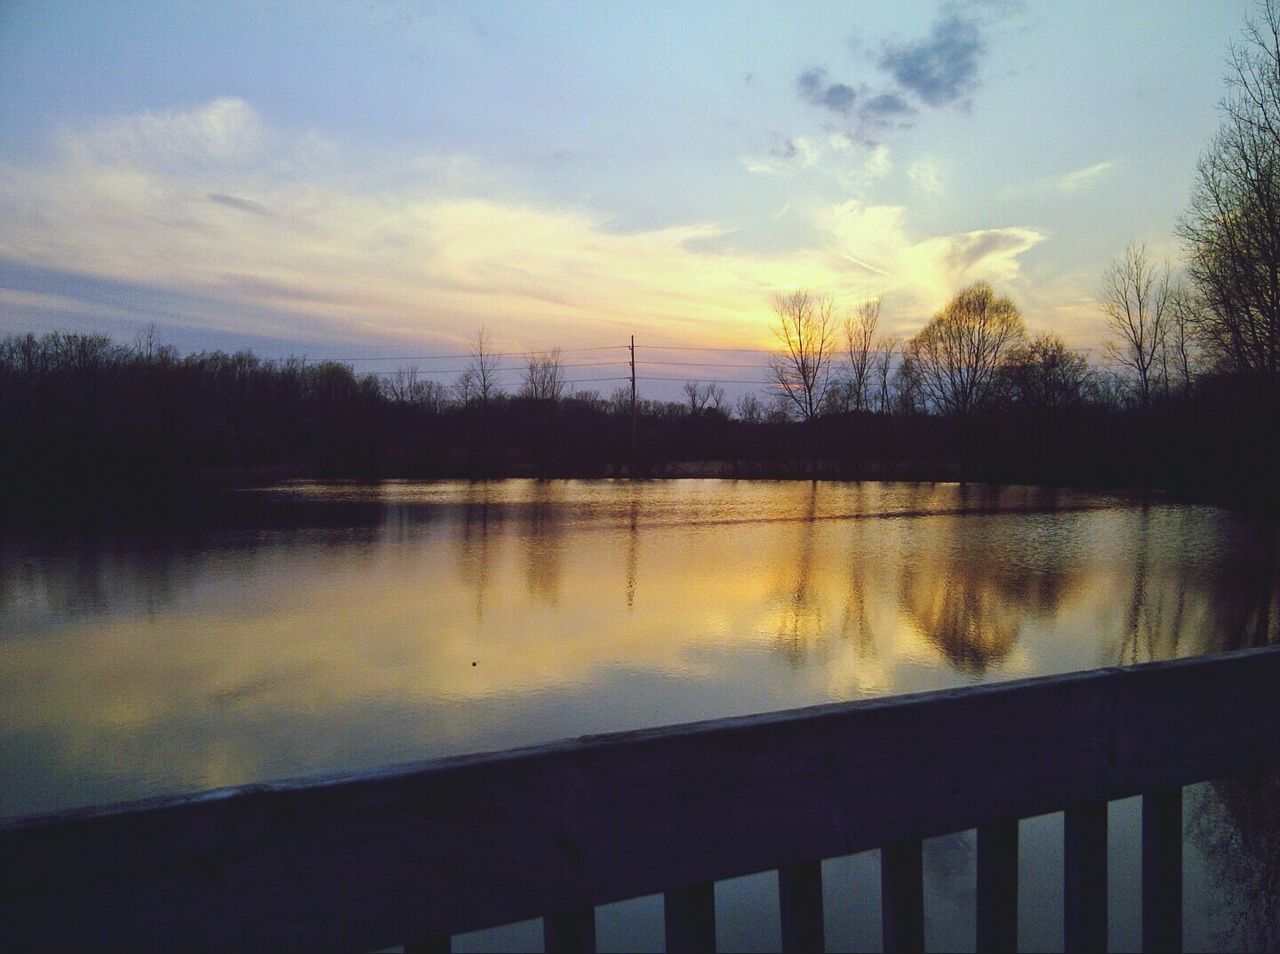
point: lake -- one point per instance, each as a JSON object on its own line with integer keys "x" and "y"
{"x": 321, "y": 627}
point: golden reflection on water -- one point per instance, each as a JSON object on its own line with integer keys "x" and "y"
{"x": 399, "y": 621}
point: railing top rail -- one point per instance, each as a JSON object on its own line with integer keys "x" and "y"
{"x": 461, "y": 843}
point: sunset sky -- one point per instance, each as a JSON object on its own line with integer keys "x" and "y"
{"x": 381, "y": 178}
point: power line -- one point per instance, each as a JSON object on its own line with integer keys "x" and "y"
{"x": 487, "y": 354}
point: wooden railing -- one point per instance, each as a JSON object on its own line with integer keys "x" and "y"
{"x": 459, "y": 844}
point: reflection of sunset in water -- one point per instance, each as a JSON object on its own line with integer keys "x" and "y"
{"x": 373, "y": 625}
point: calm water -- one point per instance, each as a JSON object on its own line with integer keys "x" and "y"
{"x": 319, "y": 628}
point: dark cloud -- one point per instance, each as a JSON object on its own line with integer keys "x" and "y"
{"x": 887, "y": 106}
{"x": 941, "y": 68}
{"x": 968, "y": 250}
{"x": 235, "y": 202}
{"x": 837, "y": 97}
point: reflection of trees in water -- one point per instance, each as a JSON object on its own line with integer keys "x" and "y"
{"x": 544, "y": 543}
{"x": 800, "y": 611}
{"x": 855, "y": 623}
{"x": 1236, "y": 823}
{"x": 1178, "y": 606}
{"x": 481, "y": 521}
{"x": 970, "y": 594}
{"x": 633, "y": 548}
{"x": 1247, "y": 597}
{"x": 1153, "y": 627}
{"x": 964, "y": 615}
{"x": 71, "y": 575}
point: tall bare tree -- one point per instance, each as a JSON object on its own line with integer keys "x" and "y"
{"x": 479, "y": 382}
{"x": 1232, "y": 226}
{"x": 1135, "y": 296}
{"x": 544, "y": 376}
{"x": 1182, "y": 347}
{"x": 888, "y": 346}
{"x": 806, "y": 329}
{"x": 860, "y": 344}
{"x": 957, "y": 354}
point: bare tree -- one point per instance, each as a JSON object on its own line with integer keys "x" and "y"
{"x": 1135, "y": 299}
{"x": 479, "y": 382}
{"x": 701, "y": 396}
{"x": 1046, "y": 375}
{"x": 748, "y": 408}
{"x": 1232, "y": 226}
{"x": 958, "y": 353}
{"x": 693, "y": 394}
{"x": 885, "y": 350}
{"x": 1186, "y": 312}
{"x": 806, "y": 330}
{"x": 146, "y": 341}
{"x": 715, "y": 397}
{"x": 544, "y": 376}
{"x": 860, "y": 344}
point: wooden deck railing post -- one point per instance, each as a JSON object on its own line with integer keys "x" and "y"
{"x": 800, "y": 901}
{"x": 570, "y": 932}
{"x": 1084, "y": 880}
{"x": 1162, "y": 870}
{"x": 902, "y": 897}
{"x": 434, "y": 945}
{"x": 690, "y": 915}
{"x": 998, "y": 886}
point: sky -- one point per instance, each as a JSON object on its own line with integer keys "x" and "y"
{"x": 384, "y": 178}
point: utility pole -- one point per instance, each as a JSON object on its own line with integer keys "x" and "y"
{"x": 633, "y": 405}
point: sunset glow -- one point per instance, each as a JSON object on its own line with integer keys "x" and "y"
{"x": 345, "y": 179}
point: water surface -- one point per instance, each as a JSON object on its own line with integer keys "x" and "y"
{"x": 316, "y": 628}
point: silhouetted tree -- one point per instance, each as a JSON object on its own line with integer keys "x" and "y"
{"x": 806, "y": 330}
{"x": 860, "y": 345}
{"x": 479, "y": 382}
{"x": 883, "y": 367}
{"x": 1182, "y": 360}
{"x": 1232, "y": 227}
{"x": 1045, "y": 374}
{"x": 543, "y": 376}
{"x": 1135, "y": 296}
{"x": 958, "y": 353}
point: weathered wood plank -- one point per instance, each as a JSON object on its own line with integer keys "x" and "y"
{"x": 459, "y": 844}
{"x": 690, "y": 916}
{"x": 1084, "y": 916}
{"x": 1162, "y": 870}
{"x": 902, "y": 897}
{"x": 434, "y": 945}
{"x": 800, "y": 902}
{"x": 570, "y": 932}
{"x": 998, "y": 886}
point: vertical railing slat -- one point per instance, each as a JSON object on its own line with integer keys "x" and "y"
{"x": 1084, "y": 878}
{"x": 998, "y": 886}
{"x": 431, "y": 945}
{"x": 1162, "y": 870}
{"x": 690, "y": 915}
{"x": 800, "y": 899}
{"x": 902, "y": 897}
{"x": 570, "y": 932}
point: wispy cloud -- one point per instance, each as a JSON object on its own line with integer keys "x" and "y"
{"x": 1075, "y": 182}
{"x": 1082, "y": 180}
{"x": 926, "y": 176}
{"x": 924, "y": 272}
{"x": 268, "y": 229}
